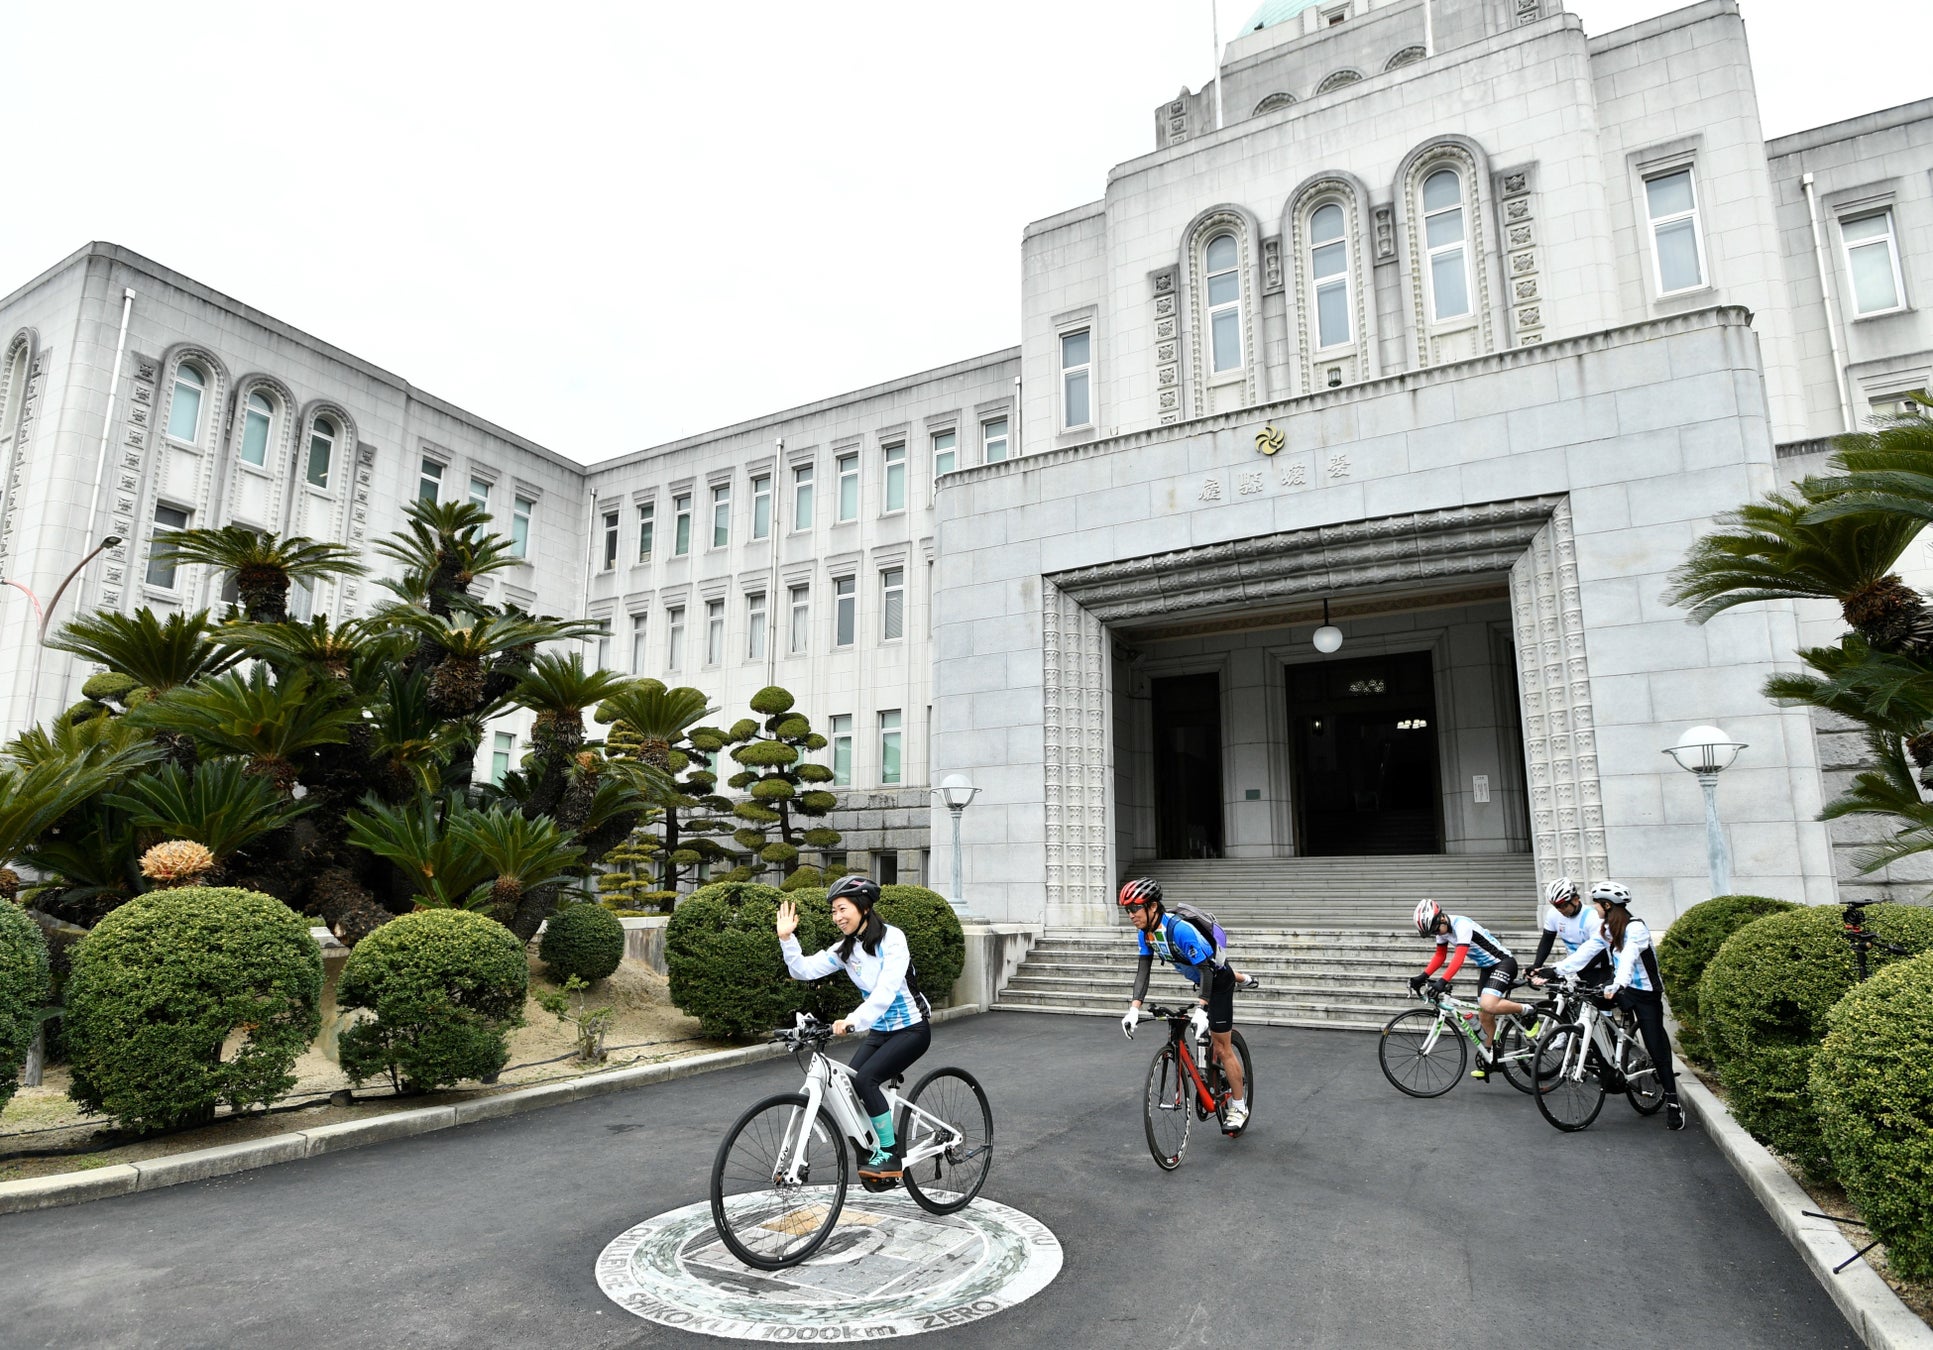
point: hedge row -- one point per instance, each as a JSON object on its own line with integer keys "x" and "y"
{"x": 26, "y": 986}
{"x": 1685, "y": 951}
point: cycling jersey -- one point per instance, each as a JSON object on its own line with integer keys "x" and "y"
{"x": 1637, "y": 963}
{"x": 1180, "y": 943}
{"x": 1573, "y": 930}
{"x": 881, "y": 977}
{"x": 1470, "y": 939}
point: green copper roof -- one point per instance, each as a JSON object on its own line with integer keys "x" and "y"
{"x": 1273, "y": 12}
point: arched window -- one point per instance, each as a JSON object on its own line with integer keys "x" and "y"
{"x": 322, "y": 451}
{"x": 1223, "y": 260}
{"x": 184, "y": 407}
{"x": 258, "y": 420}
{"x": 1337, "y": 80}
{"x": 1272, "y": 103}
{"x": 13, "y": 395}
{"x": 1408, "y": 56}
{"x": 1329, "y": 273}
{"x": 1444, "y": 242}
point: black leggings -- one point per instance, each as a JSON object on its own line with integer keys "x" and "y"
{"x": 884, "y": 1054}
{"x": 1649, "y": 1009}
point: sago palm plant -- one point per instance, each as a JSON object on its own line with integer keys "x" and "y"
{"x": 220, "y": 805}
{"x": 272, "y": 723}
{"x": 439, "y": 866}
{"x": 658, "y": 716}
{"x": 262, "y": 563}
{"x": 522, "y": 853}
{"x": 447, "y": 546}
{"x": 157, "y": 654}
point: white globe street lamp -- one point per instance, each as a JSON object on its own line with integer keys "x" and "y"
{"x": 1328, "y": 638}
{"x": 1708, "y": 752}
{"x": 956, "y": 790}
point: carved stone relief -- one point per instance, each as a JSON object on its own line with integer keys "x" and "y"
{"x": 1079, "y": 755}
{"x": 1167, "y": 361}
{"x": 1516, "y": 189}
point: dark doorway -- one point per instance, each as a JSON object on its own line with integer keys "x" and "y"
{"x": 1365, "y": 756}
{"x": 1188, "y": 766}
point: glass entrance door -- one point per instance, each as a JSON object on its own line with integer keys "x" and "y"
{"x": 1365, "y": 758}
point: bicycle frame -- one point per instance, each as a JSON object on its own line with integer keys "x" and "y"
{"x": 828, "y": 1084}
{"x": 1610, "y": 1038}
{"x": 1450, "y": 1012}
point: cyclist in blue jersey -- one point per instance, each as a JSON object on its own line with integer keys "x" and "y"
{"x": 1459, "y": 938}
{"x": 1192, "y": 952}
{"x": 895, "y": 1016}
{"x": 1634, "y": 983}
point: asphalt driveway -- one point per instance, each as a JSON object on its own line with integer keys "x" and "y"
{"x": 1348, "y": 1216}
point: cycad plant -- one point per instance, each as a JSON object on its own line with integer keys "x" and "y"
{"x": 263, "y": 564}
{"x": 219, "y": 805}
{"x": 272, "y": 723}
{"x": 445, "y": 547}
{"x": 157, "y": 654}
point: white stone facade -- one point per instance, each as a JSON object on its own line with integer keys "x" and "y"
{"x": 1465, "y": 321}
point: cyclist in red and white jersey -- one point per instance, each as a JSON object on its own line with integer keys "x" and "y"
{"x": 1459, "y": 939}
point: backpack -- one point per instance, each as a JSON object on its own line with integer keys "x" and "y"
{"x": 1205, "y": 924}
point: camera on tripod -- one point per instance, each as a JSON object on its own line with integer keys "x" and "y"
{"x": 1862, "y": 941}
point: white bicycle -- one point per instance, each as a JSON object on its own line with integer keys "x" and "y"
{"x": 780, "y": 1177}
{"x": 1580, "y": 1061}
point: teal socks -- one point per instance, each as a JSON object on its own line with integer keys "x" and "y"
{"x": 883, "y": 1127}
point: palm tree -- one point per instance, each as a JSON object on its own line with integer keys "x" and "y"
{"x": 559, "y": 689}
{"x": 458, "y": 648}
{"x": 447, "y": 546}
{"x": 317, "y": 645}
{"x": 220, "y": 806}
{"x": 525, "y": 856}
{"x": 269, "y": 722}
{"x": 1801, "y": 546}
{"x": 262, "y": 563}
{"x": 158, "y": 655}
{"x": 440, "y": 867}
{"x": 659, "y": 717}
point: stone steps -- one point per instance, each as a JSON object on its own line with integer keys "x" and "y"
{"x": 1362, "y": 892}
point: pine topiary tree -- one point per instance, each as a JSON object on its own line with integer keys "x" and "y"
{"x": 783, "y": 792}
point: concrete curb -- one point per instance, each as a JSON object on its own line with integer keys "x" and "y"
{"x": 1867, "y": 1301}
{"x": 74, "y": 1188}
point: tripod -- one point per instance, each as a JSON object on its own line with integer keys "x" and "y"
{"x": 1862, "y": 941}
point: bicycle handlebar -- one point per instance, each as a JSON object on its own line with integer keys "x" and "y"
{"x": 808, "y": 1030}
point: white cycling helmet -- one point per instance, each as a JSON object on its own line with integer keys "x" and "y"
{"x": 1561, "y": 890}
{"x": 1610, "y": 893}
{"x": 1427, "y": 913}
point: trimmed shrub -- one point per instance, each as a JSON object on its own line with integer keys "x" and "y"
{"x": 582, "y": 940}
{"x": 1872, "y": 1083}
{"x": 1763, "y": 1003}
{"x": 446, "y": 986}
{"x": 165, "y": 981}
{"x": 933, "y": 937}
{"x": 723, "y": 958}
{"x": 1688, "y": 947}
{"x": 26, "y": 987}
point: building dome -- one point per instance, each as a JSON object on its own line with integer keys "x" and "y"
{"x": 1273, "y": 12}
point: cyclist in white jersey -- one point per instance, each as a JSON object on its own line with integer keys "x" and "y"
{"x": 1569, "y": 920}
{"x": 1459, "y": 938}
{"x": 895, "y": 1015}
{"x": 1634, "y": 983}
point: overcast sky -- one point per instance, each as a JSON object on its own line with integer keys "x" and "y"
{"x": 609, "y": 226}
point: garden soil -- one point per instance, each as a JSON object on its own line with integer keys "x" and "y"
{"x": 647, "y": 1030}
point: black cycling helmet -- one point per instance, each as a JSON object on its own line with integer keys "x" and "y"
{"x": 860, "y": 891}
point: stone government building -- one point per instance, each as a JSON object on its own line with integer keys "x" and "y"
{"x": 1457, "y": 331}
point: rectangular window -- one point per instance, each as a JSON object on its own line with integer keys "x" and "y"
{"x": 1444, "y": 239}
{"x": 839, "y": 732}
{"x": 429, "y": 482}
{"x": 886, "y": 868}
{"x": 638, "y": 626}
{"x": 674, "y": 638}
{"x": 502, "y": 746}
{"x": 1076, "y": 366}
{"x": 762, "y": 506}
{"x": 1873, "y": 261}
{"x": 1676, "y": 247}
{"x": 755, "y": 627}
{"x": 895, "y": 478}
{"x": 993, "y": 440}
{"x": 603, "y": 644}
{"x": 322, "y": 453}
{"x": 646, "y": 510}
{"x": 801, "y": 619}
{"x": 522, "y": 510}
{"x": 849, "y": 487}
{"x": 892, "y": 604}
{"x": 802, "y": 497}
{"x": 946, "y": 449}
{"x": 184, "y": 409}
{"x": 889, "y": 734}
{"x": 479, "y": 494}
{"x": 714, "y": 632}
{"x": 301, "y": 600}
{"x": 161, "y": 559}
{"x": 610, "y": 539}
{"x": 721, "y": 515}
{"x": 845, "y": 611}
{"x": 681, "y": 525}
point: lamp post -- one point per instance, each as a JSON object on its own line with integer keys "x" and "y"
{"x": 44, "y": 616}
{"x": 956, "y": 791}
{"x": 1328, "y": 638}
{"x": 1708, "y": 752}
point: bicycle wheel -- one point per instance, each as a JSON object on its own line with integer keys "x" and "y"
{"x": 1641, "y": 1086}
{"x": 1516, "y": 1055}
{"x": 1572, "y": 1093}
{"x": 1418, "y": 1058}
{"x": 764, "y": 1220}
{"x": 1168, "y": 1109}
{"x": 950, "y": 1179}
{"x": 1218, "y": 1084}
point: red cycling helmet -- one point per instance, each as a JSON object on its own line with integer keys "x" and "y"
{"x": 1140, "y": 891}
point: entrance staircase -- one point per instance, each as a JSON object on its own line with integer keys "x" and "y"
{"x": 1331, "y": 939}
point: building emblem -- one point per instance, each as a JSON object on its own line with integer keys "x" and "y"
{"x": 1270, "y": 439}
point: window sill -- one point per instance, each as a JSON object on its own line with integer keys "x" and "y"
{"x": 1892, "y": 313}
{"x": 1679, "y": 302}
{"x": 261, "y": 471}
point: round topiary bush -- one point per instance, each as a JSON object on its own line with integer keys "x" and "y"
{"x": 445, "y": 987}
{"x": 1763, "y": 1003}
{"x": 582, "y": 940}
{"x": 933, "y": 938}
{"x": 162, "y": 985}
{"x": 724, "y": 962}
{"x": 1688, "y": 947}
{"x": 1872, "y": 1083}
{"x": 26, "y": 987}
